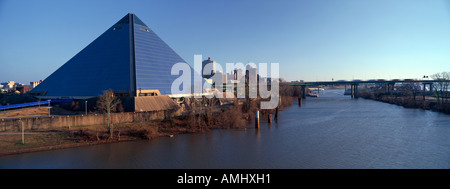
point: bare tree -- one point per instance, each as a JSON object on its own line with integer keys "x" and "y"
{"x": 411, "y": 89}
{"x": 210, "y": 104}
{"x": 445, "y": 86}
{"x": 441, "y": 87}
{"x": 107, "y": 103}
{"x": 192, "y": 112}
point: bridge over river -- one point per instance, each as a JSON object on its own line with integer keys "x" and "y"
{"x": 354, "y": 84}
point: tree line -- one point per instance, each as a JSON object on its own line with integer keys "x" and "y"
{"x": 413, "y": 94}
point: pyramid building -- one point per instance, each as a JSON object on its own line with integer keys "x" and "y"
{"x": 128, "y": 58}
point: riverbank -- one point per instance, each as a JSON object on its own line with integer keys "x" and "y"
{"x": 44, "y": 140}
{"x": 53, "y": 139}
{"x": 427, "y": 103}
{"x": 198, "y": 118}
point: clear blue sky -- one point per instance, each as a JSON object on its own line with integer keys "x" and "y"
{"x": 312, "y": 40}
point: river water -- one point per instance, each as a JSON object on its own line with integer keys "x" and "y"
{"x": 332, "y": 131}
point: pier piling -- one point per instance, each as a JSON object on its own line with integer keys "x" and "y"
{"x": 276, "y": 113}
{"x": 303, "y": 91}
{"x": 257, "y": 119}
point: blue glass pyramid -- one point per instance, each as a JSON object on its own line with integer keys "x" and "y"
{"x": 127, "y": 57}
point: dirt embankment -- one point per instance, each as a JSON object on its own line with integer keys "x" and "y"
{"x": 25, "y": 112}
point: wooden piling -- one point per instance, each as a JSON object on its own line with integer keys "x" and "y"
{"x": 299, "y": 101}
{"x": 269, "y": 118}
{"x": 303, "y": 91}
{"x": 354, "y": 91}
{"x": 276, "y": 113}
{"x": 424, "y": 91}
{"x": 257, "y": 119}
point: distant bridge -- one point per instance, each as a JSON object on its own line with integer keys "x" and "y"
{"x": 354, "y": 84}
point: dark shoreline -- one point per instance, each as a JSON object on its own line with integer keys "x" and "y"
{"x": 408, "y": 102}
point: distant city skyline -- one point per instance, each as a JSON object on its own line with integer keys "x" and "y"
{"x": 311, "y": 40}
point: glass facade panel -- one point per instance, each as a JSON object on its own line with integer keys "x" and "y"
{"x": 103, "y": 64}
{"x": 154, "y": 61}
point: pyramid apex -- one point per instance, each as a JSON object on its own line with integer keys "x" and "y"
{"x": 127, "y": 17}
